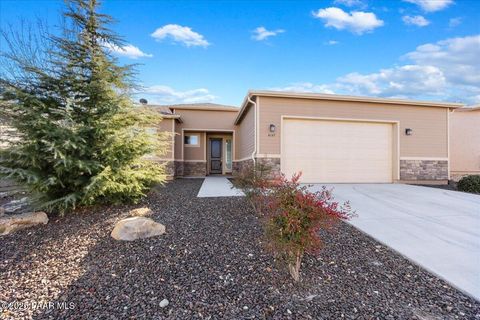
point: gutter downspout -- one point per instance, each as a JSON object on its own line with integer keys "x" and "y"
{"x": 254, "y": 129}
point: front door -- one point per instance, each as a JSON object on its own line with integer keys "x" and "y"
{"x": 215, "y": 155}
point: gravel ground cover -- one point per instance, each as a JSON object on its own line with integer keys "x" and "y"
{"x": 211, "y": 264}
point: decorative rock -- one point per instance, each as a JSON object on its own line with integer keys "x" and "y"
{"x": 164, "y": 303}
{"x": 141, "y": 212}
{"x": 2, "y": 211}
{"x": 134, "y": 228}
{"x": 12, "y": 223}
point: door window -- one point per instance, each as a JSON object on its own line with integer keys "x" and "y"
{"x": 228, "y": 154}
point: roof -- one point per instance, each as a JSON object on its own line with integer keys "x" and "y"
{"x": 162, "y": 109}
{"x": 335, "y": 97}
{"x": 165, "y": 112}
{"x": 469, "y": 108}
{"x": 201, "y": 106}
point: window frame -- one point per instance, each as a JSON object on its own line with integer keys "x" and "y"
{"x": 191, "y": 144}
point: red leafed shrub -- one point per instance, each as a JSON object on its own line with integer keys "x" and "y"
{"x": 294, "y": 216}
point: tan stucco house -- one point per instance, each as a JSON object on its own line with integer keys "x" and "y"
{"x": 465, "y": 142}
{"x": 329, "y": 138}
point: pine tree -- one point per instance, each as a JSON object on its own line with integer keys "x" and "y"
{"x": 81, "y": 140}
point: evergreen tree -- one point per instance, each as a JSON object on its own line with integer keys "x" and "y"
{"x": 81, "y": 140}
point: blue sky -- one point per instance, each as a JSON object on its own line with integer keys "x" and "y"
{"x": 214, "y": 51}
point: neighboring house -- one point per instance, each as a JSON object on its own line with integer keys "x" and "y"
{"x": 329, "y": 138}
{"x": 465, "y": 142}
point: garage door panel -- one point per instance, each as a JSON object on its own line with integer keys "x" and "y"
{"x": 337, "y": 151}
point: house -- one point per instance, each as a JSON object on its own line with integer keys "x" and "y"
{"x": 329, "y": 138}
{"x": 202, "y": 138}
{"x": 465, "y": 142}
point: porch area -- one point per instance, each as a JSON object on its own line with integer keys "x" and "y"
{"x": 205, "y": 153}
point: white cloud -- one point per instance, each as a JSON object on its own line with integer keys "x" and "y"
{"x": 161, "y": 94}
{"x": 260, "y": 33}
{"x": 408, "y": 80}
{"x": 431, "y": 5}
{"x": 350, "y": 3}
{"x": 332, "y": 42}
{"x": 458, "y": 58}
{"x": 445, "y": 70}
{"x": 419, "y": 21}
{"x": 129, "y": 51}
{"x": 453, "y": 22}
{"x": 180, "y": 34}
{"x": 357, "y": 22}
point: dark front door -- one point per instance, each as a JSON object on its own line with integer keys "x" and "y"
{"x": 215, "y": 155}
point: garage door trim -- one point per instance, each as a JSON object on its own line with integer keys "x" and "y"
{"x": 395, "y": 138}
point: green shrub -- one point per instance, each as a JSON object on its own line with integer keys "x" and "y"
{"x": 81, "y": 141}
{"x": 469, "y": 184}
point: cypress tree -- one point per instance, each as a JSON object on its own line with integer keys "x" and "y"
{"x": 80, "y": 139}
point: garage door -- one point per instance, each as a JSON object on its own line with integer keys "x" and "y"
{"x": 337, "y": 151}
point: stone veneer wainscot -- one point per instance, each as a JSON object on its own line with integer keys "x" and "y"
{"x": 417, "y": 170}
{"x": 194, "y": 169}
{"x": 274, "y": 164}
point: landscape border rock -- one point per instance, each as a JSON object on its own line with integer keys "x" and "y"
{"x": 12, "y": 223}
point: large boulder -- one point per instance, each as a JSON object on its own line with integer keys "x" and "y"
{"x": 134, "y": 228}
{"x": 12, "y": 223}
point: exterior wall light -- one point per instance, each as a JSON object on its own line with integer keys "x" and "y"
{"x": 272, "y": 128}
{"x": 408, "y": 131}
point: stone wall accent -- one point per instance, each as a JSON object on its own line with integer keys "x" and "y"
{"x": 238, "y": 166}
{"x": 195, "y": 169}
{"x": 274, "y": 163}
{"x": 169, "y": 168}
{"x": 423, "y": 170}
{"x": 178, "y": 166}
{"x": 410, "y": 170}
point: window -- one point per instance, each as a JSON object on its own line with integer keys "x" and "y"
{"x": 191, "y": 140}
{"x": 228, "y": 154}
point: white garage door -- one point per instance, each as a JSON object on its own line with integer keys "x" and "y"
{"x": 337, "y": 151}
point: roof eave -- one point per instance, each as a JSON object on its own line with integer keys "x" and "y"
{"x": 467, "y": 109}
{"x": 334, "y": 97}
{"x": 242, "y": 107}
{"x": 355, "y": 98}
{"x": 233, "y": 109}
{"x": 176, "y": 117}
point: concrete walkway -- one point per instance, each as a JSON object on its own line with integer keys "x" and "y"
{"x": 218, "y": 187}
{"x": 435, "y": 228}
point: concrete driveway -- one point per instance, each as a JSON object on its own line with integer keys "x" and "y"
{"x": 435, "y": 228}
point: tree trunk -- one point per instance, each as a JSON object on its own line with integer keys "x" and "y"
{"x": 294, "y": 267}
